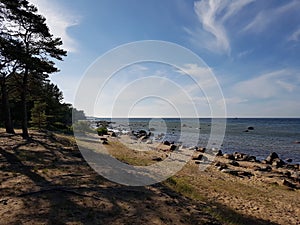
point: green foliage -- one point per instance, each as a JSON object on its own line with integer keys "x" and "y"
{"x": 38, "y": 115}
{"x": 27, "y": 50}
{"x": 101, "y": 131}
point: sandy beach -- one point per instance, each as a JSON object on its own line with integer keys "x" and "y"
{"x": 46, "y": 181}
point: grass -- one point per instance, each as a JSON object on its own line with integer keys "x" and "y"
{"x": 182, "y": 186}
{"x": 129, "y": 156}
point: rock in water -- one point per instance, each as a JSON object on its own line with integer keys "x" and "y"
{"x": 250, "y": 128}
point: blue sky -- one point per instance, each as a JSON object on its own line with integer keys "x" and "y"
{"x": 252, "y": 48}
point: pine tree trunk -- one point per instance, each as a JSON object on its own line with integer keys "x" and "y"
{"x": 24, "y": 105}
{"x": 6, "y": 108}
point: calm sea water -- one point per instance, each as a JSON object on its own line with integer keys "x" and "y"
{"x": 278, "y": 135}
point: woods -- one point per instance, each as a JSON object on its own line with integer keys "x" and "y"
{"x": 28, "y": 52}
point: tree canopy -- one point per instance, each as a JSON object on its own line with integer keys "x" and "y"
{"x": 28, "y": 52}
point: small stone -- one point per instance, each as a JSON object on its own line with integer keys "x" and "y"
{"x": 158, "y": 159}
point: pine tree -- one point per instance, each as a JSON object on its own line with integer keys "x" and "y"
{"x": 28, "y": 29}
{"x": 38, "y": 115}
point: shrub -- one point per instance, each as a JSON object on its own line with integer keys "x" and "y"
{"x": 101, "y": 131}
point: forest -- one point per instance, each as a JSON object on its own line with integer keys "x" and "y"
{"x": 28, "y": 53}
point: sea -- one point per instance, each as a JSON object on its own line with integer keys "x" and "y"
{"x": 254, "y": 136}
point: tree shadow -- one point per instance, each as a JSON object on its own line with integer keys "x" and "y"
{"x": 79, "y": 195}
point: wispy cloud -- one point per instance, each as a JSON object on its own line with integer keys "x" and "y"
{"x": 244, "y": 53}
{"x": 265, "y": 18}
{"x": 274, "y": 84}
{"x": 59, "y": 20}
{"x": 212, "y": 15}
{"x": 295, "y": 36}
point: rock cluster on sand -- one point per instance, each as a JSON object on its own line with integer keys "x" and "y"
{"x": 272, "y": 168}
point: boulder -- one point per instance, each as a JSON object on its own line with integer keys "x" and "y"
{"x": 288, "y": 184}
{"x": 199, "y": 157}
{"x": 256, "y": 168}
{"x": 289, "y": 160}
{"x": 272, "y": 156}
{"x": 240, "y": 156}
{"x": 266, "y": 169}
{"x": 295, "y": 176}
{"x": 201, "y": 150}
{"x": 173, "y": 147}
{"x": 167, "y": 143}
{"x": 277, "y": 163}
{"x": 229, "y": 156}
{"x": 221, "y": 165}
{"x": 234, "y": 163}
{"x": 232, "y": 172}
{"x": 250, "y": 128}
{"x": 245, "y": 173}
{"x": 103, "y": 139}
{"x": 287, "y": 174}
{"x": 252, "y": 158}
{"x": 113, "y": 134}
{"x": 219, "y": 153}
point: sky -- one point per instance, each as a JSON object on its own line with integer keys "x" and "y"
{"x": 249, "y": 51}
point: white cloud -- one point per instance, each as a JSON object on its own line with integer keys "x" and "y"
{"x": 295, "y": 36}
{"x": 202, "y": 75}
{"x": 59, "y": 20}
{"x": 273, "y": 84}
{"x": 212, "y": 15}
